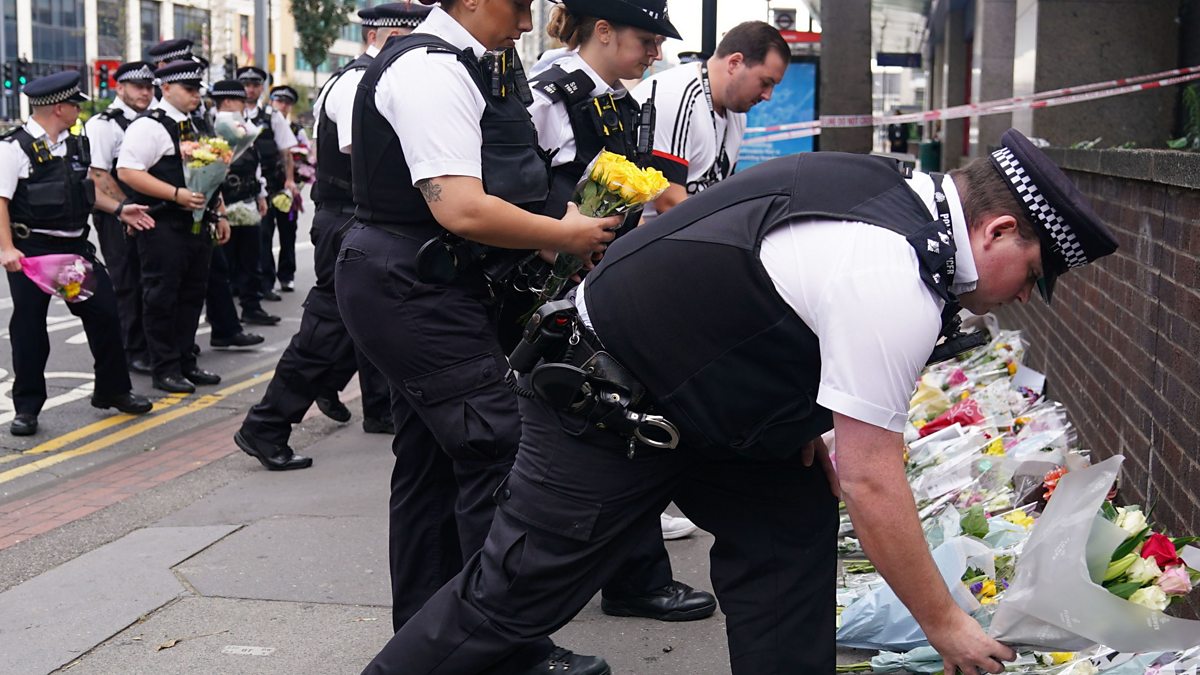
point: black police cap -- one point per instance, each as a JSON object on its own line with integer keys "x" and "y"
{"x": 135, "y": 71}
{"x": 400, "y": 15}
{"x": 60, "y": 87}
{"x": 170, "y": 50}
{"x": 228, "y": 89}
{"x": 181, "y": 71}
{"x": 648, "y": 15}
{"x": 1071, "y": 233}
{"x": 251, "y": 74}
{"x": 367, "y": 14}
{"x": 285, "y": 93}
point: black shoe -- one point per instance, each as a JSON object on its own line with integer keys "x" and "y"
{"x": 566, "y": 662}
{"x": 271, "y": 295}
{"x": 287, "y": 286}
{"x": 141, "y": 367}
{"x": 674, "y": 602}
{"x": 274, "y": 457}
{"x": 201, "y": 376}
{"x": 23, "y": 424}
{"x": 332, "y": 408}
{"x": 128, "y": 402}
{"x": 258, "y": 317}
{"x": 378, "y": 425}
{"x": 239, "y": 340}
{"x": 174, "y": 384}
{"x": 195, "y": 349}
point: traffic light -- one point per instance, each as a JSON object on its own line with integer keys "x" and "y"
{"x": 22, "y": 72}
{"x": 230, "y": 66}
{"x": 103, "y": 80}
{"x": 8, "y": 76}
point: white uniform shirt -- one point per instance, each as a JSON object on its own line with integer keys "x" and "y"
{"x": 105, "y": 136}
{"x": 15, "y": 166}
{"x": 858, "y": 287}
{"x": 337, "y": 100}
{"x": 688, "y": 132}
{"x": 284, "y": 138}
{"x": 439, "y": 129}
{"x": 553, "y": 123}
{"x": 147, "y": 141}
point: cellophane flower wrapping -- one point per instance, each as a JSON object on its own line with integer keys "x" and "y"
{"x": 205, "y": 164}
{"x": 63, "y": 275}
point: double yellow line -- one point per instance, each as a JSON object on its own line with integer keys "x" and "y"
{"x": 157, "y": 419}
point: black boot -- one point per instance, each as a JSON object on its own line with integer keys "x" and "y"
{"x": 273, "y": 456}
{"x": 674, "y": 602}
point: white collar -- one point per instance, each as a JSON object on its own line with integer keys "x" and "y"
{"x": 966, "y": 275}
{"x": 172, "y": 111}
{"x": 37, "y": 131}
{"x": 122, "y": 105}
{"x": 441, "y": 24}
{"x": 372, "y": 50}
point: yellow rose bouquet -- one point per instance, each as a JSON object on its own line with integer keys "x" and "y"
{"x": 613, "y": 186}
{"x": 205, "y": 164}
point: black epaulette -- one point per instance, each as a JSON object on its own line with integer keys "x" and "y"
{"x": 10, "y": 135}
{"x": 561, "y": 86}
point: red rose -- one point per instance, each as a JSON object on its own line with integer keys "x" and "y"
{"x": 1162, "y": 550}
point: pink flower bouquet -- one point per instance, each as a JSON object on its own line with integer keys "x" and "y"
{"x": 63, "y": 275}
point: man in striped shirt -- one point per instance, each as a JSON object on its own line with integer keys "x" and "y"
{"x": 702, "y": 109}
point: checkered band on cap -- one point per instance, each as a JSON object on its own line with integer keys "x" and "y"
{"x": 181, "y": 53}
{"x": 185, "y": 76}
{"x": 56, "y": 97}
{"x": 143, "y": 73}
{"x": 394, "y": 22}
{"x": 1066, "y": 243}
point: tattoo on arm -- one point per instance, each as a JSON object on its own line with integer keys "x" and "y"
{"x": 430, "y": 190}
{"x": 106, "y": 183}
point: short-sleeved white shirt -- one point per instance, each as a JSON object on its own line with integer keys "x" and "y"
{"x": 687, "y": 131}
{"x": 15, "y": 166}
{"x": 858, "y": 287}
{"x": 439, "y": 128}
{"x": 147, "y": 141}
{"x": 551, "y": 118}
{"x": 105, "y": 135}
{"x": 284, "y": 138}
{"x": 337, "y": 100}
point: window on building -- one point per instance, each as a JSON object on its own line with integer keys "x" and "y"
{"x": 110, "y": 31}
{"x": 10, "y": 29}
{"x": 352, "y": 32}
{"x": 244, "y": 36}
{"x": 192, "y": 23}
{"x": 58, "y": 32}
{"x": 151, "y": 24}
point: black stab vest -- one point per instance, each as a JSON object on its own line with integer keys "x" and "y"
{"x": 268, "y": 151}
{"x": 242, "y": 182}
{"x": 333, "y": 187}
{"x": 59, "y": 193}
{"x": 513, "y": 168}
{"x": 686, "y": 304}
{"x": 615, "y": 132}
{"x": 169, "y": 169}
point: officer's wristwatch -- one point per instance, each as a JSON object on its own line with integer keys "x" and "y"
{"x": 120, "y": 208}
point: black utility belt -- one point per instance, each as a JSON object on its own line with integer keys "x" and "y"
{"x": 21, "y": 231}
{"x": 569, "y": 369}
{"x": 340, "y": 208}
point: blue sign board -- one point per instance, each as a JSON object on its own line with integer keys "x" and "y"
{"x": 794, "y": 100}
{"x": 900, "y": 59}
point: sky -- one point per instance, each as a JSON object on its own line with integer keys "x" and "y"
{"x": 687, "y": 14}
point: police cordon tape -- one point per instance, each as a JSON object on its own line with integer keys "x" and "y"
{"x": 1046, "y": 99}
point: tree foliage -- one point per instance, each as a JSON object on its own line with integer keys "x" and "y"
{"x": 318, "y": 24}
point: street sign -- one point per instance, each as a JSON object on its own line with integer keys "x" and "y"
{"x": 785, "y": 19}
{"x": 901, "y": 59}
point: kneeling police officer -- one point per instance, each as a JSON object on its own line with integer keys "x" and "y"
{"x": 703, "y": 359}
{"x": 46, "y": 196}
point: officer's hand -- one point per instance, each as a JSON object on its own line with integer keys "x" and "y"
{"x": 223, "y": 231}
{"x": 262, "y": 207}
{"x": 965, "y": 647}
{"x": 137, "y": 217}
{"x": 190, "y": 200}
{"x": 290, "y": 186}
{"x": 819, "y": 451}
{"x": 10, "y": 259}
{"x": 585, "y": 237}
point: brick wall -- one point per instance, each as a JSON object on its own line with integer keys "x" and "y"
{"x": 1121, "y": 344}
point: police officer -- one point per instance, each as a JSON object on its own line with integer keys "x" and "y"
{"x": 321, "y": 357}
{"x": 463, "y": 174}
{"x": 578, "y": 112}
{"x": 803, "y": 294}
{"x": 236, "y": 263}
{"x": 175, "y": 256}
{"x": 46, "y": 197}
{"x": 135, "y": 92}
{"x": 274, "y": 145}
{"x": 283, "y": 99}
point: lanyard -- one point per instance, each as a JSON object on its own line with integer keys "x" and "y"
{"x": 942, "y": 204}
{"x": 721, "y": 162}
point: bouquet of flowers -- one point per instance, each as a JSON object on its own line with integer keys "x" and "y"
{"x": 243, "y": 213}
{"x": 237, "y": 132}
{"x": 205, "y": 164}
{"x": 63, "y": 275}
{"x": 612, "y": 186}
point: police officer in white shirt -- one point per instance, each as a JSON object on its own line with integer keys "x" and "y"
{"x": 135, "y": 92}
{"x": 321, "y": 357}
{"x": 274, "y": 145}
{"x": 581, "y": 108}
{"x": 455, "y": 172}
{"x": 46, "y": 197}
{"x": 702, "y": 109}
{"x": 708, "y": 352}
{"x": 175, "y": 255}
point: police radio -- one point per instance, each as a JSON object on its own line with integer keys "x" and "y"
{"x": 647, "y": 118}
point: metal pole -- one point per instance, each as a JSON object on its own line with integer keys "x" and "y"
{"x": 260, "y": 33}
{"x": 709, "y": 29}
{"x": 4, "y": 57}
